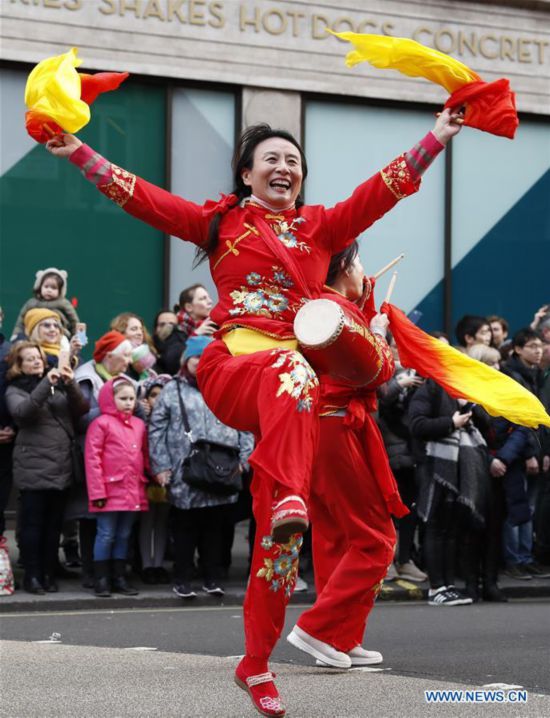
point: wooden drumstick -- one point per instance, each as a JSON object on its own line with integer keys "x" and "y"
{"x": 388, "y": 266}
{"x": 391, "y": 287}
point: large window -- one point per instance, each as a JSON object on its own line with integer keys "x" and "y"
{"x": 51, "y": 216}
{"x": 499, "y": 219}
{"x": 345, "y": 145}
{"x": 501, "y": 223}
{"x": 203, "y": 133}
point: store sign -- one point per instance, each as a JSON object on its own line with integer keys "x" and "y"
{"x": 285, "y": 44}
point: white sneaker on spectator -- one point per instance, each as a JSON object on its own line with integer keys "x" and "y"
{"x": 411, "y": 572}
{"x": 301, "y": 585}
{"x": 392, "y": 573}
{"x": 447, "y": 596}
{"x": 213, "y": 588}
{"x": 460, "y": 598}
{"x": 318, "y": 649}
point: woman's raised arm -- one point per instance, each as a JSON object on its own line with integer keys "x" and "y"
{"x": 145, "y": 201}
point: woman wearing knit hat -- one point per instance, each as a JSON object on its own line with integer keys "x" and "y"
{"x": 199, "y": 516}
{"x": 111, "y": 357}
{"x": 49, "y": 290}
{"x": 144, "y": 354}
{"x": 43, "y": 326}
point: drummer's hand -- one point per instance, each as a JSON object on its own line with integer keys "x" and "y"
{"x": 63, "y": 145}
{"x": 448, "y": 124}
{"x": 379, "y": 324}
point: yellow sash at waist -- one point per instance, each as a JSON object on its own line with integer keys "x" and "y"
{"x": 242, "y": 340}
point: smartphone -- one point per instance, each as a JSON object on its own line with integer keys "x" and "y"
{"x": 64, "y": 359}
{"x": 467, "y": 408}
{"x": 81, "y": 333}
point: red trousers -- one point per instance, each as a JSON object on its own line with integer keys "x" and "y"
{"x": 274, "y": 394}
{"x": 353, "y": 534}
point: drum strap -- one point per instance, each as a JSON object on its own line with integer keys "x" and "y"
{"x": 286, "y": 259}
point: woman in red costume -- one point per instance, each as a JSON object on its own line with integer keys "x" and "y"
{"x": 267, "y": 252}
{"x": 353, "y": 492}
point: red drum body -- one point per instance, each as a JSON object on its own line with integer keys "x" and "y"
{"x": 335, "y": 343}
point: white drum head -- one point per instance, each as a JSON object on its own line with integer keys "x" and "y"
{"x": 318, "y": 323}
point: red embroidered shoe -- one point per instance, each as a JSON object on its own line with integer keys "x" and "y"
{"x": 262, "y": 691}
{"x": 289, "y": 517}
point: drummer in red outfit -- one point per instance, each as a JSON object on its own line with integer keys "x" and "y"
{"x": 353, "y": 492}
{"x": 267, "y": 252}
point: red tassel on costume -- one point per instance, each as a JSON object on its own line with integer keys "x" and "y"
{"x": 490, "y": 106}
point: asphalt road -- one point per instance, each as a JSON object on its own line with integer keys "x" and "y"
{"x": 102, "y": 654}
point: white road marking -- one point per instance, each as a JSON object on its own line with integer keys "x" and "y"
{"x": 367, "y": 669}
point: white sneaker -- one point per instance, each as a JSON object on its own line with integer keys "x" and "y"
{"x": 360, "y": 657}
{"x": 447, "y": 596}
{"x": 411, "y": 572}
{"x": 300, "y": 586}
{"x": 319, "y": 650}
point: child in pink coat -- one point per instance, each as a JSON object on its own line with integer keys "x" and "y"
{"x": 116, "y": 453}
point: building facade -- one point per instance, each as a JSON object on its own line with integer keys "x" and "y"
{"x": 476, "y": 237}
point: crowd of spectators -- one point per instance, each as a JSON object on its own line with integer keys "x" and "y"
{"x": 94, "y": 451}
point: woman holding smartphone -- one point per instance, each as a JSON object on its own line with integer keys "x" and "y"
{"x": 45, "y": 405}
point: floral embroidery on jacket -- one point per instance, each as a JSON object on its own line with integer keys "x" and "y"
{"x": 300, "y": 381}
{"x": 280, "y": 569}
{"x": 285, "y": 232}
{"x": 264, "y": 296}
{"x": 398, "y": 178}
{"x": 121, "y": 189}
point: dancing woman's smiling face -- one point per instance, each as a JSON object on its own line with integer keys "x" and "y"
{"x": 276, "y": 173}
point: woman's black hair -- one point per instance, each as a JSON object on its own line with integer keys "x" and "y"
{"x": 164, "y": 310}
{"x": 243, "y": 158}
{"x": 341, "y": 261}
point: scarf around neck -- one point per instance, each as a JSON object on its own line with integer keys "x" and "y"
{"x": 26, "y": 382}
{"x": 103, "y": 373}
{"x": 53, "y": 349}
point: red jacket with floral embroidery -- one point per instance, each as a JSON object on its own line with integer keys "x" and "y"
{"x": 254, "y": 289}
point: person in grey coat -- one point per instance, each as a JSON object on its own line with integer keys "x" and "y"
{"x": 198, "y": 516}
{"x": 45, "y": 408}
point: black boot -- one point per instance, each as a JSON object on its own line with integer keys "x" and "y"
{"x": 87, "y": 530}
{"x": 102, "y": 583}
{"x": 32, "y": 584}
{"x": 120, "y": 585}
{"x": 50, "y": 584}
{"x": 491, "y": 592}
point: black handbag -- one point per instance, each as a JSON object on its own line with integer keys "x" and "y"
{"x": 210, "y": 466}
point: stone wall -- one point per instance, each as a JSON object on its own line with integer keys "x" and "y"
{"x": 282, "y": 45}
